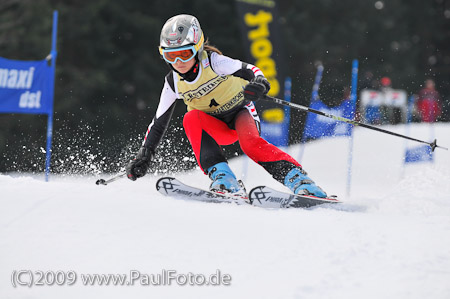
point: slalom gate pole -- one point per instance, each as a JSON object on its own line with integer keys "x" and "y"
{"x": 53, "y": 54}
{"x": 115, "y": 178}
{"x": 433, "y": 144}
{"x": 353, "y": 98}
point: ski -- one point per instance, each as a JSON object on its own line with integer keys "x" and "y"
{"x": 262, "y": 196}
{"x": 267, "y": 197}
{"x": 174, "y": 188}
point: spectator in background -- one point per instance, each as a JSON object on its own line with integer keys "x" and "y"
{"x": 385, "y": 109}
{"x": 428, "y": 103}
{"x": 394, "y": 105}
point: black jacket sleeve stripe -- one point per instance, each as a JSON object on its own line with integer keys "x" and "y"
{"x": 169, "y": 78}
{"x": 158, "y": 128}
{"x": 245, "y": 73}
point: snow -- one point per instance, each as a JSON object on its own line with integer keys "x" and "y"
{"x": 390, "y": 239}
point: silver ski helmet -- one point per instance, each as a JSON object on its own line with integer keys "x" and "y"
{"x": 179, "y": 32}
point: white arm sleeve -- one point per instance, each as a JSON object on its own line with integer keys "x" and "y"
{"x": 224, "y": 65}
{"x": 167, "y": 98}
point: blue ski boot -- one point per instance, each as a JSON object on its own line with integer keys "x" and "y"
{"x": 298, "y": 181}
{"x": 223, "y": 179}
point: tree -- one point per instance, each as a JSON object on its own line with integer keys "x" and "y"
{"x": 109, "y": 74}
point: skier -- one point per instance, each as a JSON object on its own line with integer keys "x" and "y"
{"x": 219, "y": 92}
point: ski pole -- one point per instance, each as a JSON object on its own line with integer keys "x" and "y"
{"x": 433, "y": 144}
{"x": 115, "y": 178}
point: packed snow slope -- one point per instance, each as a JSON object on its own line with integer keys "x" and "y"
{"x": 389, "y": 239}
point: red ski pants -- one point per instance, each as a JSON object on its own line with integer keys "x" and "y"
{"x": 207, "y": 133}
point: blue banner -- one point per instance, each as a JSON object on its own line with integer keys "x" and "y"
{"x": 26, "y": 86}
{"x": 318, "y": 126}
{"x": 275, "y": 121}
{"x": 275, "y": 126}
{"x": 419, "y": 154}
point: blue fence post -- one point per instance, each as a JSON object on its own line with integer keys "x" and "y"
{"x": 53, "y": 55}
{"x": 287, "y": 110}
{"x": 314, "y": 97}
{"x": 317, "y": 79}
{"x": 353, "y": 97}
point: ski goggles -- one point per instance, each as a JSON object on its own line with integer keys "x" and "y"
{"x": 184, "y": 54}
